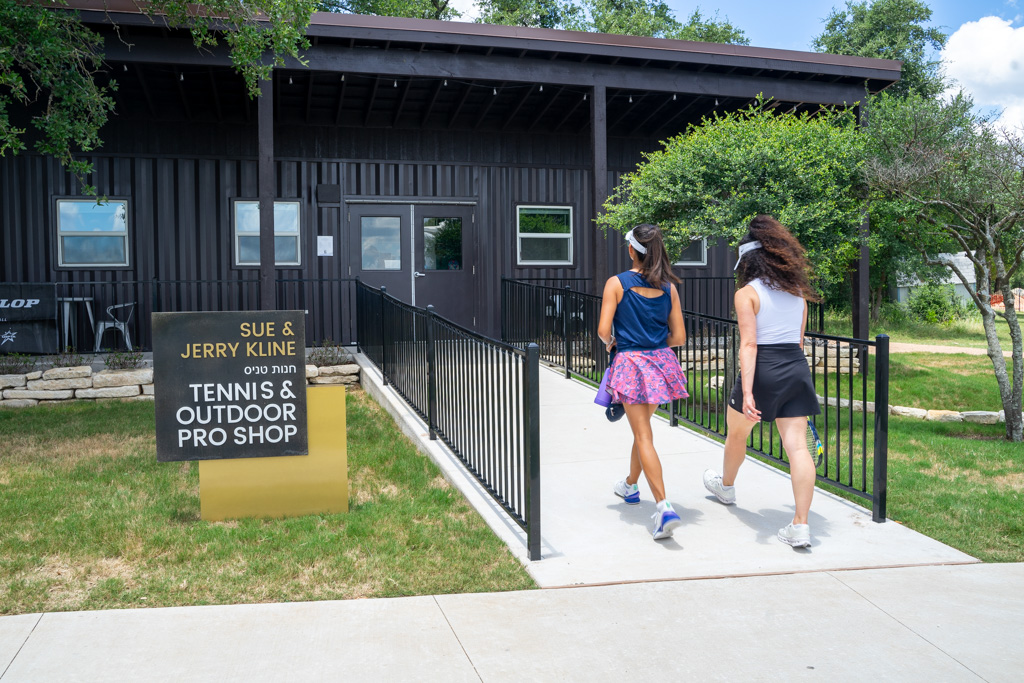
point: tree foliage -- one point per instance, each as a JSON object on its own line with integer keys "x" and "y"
{"x": 712, "y": 179}
{"x": 966, "y": 181}
{"x": 889, "y": 29}
{"x": 50, "y": 63}
{"x": 623, "y": 17}
{"x": 414, "y": 9}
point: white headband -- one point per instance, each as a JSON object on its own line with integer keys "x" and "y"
{"x": 744, "y": 248}
{"x": 635, "y": 242}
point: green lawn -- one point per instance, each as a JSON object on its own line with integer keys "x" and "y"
{"x": 93, "y": 521}
{"x": 968, "y": 333}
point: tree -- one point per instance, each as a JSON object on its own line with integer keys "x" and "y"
{"x": 966, "y": 180}
{"x": 50, "y": 64}
{"x": 623, "y": 17}
{"x": 415, "y": 9}
{"x": 888, "y": 29}
{"x": 712, "y": 179}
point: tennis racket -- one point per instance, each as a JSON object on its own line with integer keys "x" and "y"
{"x": 814, "y": 445}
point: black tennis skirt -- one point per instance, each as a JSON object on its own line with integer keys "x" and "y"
{"x": 782, "y": 384}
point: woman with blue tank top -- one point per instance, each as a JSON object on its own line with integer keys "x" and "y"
{"x": 774, "y": 383}
{"x": 643, "y": 307}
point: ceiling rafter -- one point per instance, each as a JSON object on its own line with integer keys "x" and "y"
{"x": 341, "y": 101}
{"x": 544, "y": 109}
{"x": 140, "y": 73}
{"x": 674, "y": 117}
{"x": 629, "y": 110}
{"x": 430, "y": 103}
{"x": 462, "y": 102}
{"x": 519, "y": 105}
{"x": 490, "y": 103}
{"x": 401, "y": 102}
{"x": 370, "y": 100}
{"x": 216, "y": 96}
{"x": 309, "y": 94}
{"x": 184, "y": 98}
{"x": 568, "y": 114}
{"x": 654, "y": 113}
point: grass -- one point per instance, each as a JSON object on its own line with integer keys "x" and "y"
{"x": 969, "y": 333}
{"x": 93, "y": 521}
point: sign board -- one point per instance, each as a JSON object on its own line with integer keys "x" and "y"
{"x": 230, "y": 385}
{"x": 28, "y": 318}
{"x": 324, "y": 245}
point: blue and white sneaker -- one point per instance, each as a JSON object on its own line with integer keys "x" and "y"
{"x": 664, "y": 522}
{"x": 628, "y": 492}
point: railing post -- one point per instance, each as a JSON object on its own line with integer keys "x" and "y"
{"x": 565, "y": 330}
{"x": 383, "y": 339}
{"x": 431, "y": 376}
{"x": 531, "y": 436}
{"x": 881, "y": 446}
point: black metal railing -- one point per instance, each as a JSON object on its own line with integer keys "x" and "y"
{"x": 477, "y": 395}
{"x": 856, "y": 447}
{"x": 81, "y": 306}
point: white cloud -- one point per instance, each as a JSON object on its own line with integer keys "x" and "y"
{"x": 986, "y": 58}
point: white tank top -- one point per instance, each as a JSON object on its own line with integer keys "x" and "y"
{"x": 780, "y": 315}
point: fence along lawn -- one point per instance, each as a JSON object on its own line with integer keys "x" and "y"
{"x": 92, "y": 521}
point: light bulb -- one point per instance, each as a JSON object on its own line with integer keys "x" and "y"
{"x": 289, "y": 80}
{"x": 542, "y": 88}
{"x": 396, "y": 83}
{"x": 446, "y": 82}
{"x": 181, "y": 77}
{"x": 631, "y": 99}
{"x": 495, "y": 91}
{"x": 673, "y": 97}
{"x": 342, "y": 78}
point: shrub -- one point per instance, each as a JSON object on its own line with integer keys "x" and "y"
{"x": 16, "y": 363}
{"x": 68, "y": 358}
{"x": 327, "y": 353}
{"x": 123, "y": 360}
{"x": 937, "y": 304}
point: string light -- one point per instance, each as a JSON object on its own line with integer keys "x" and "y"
{"x": 673, "y": 97}
{"x": 396, "y": 83}
{"x": 495, "y": 91}
{"x": 446, "y": 82}
{"x": 342, "y": 78}
{"x": 289, "y": 80}
{"x": 631, "y": 99}
{"x": 181, "y": 76}
{"x": 125, "y": 66}
{"x": 584, "y": 97}
{"x": 716, "y": 101}
{"x": 542, "y": 88}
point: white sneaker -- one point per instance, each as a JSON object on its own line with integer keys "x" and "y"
{"x": 628, "y": 492}
{"x": 796, "y": 535}
{"x": 726, "y": 495}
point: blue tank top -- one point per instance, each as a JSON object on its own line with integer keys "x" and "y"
{"x": 640, "y": 323}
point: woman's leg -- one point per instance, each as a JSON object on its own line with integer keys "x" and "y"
{"x": 735, "y": 444}
{"x": 644, "y": 456}
{"x": 801, "y": 465}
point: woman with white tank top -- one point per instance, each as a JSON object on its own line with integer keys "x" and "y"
{"x": 774, "y": 381}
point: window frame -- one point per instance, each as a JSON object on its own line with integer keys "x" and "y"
{"x": 125, "y": 235}
{"x": 703, "y": 254}
{"x": 235, "y": 235}
{"x": 570, "y": 236}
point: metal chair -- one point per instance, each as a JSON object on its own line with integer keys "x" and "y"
{"x": 116, "y": 324}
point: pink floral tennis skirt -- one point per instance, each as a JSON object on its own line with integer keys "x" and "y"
{"x": 653, "y": 377}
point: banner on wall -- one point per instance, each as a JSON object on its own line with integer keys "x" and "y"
{"x": 28, "y": 318}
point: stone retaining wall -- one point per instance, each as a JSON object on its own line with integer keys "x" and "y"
{"x": 82, "y": 384}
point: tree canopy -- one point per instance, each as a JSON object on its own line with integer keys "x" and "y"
{"x": 889, "y": 29}
{"x": 712, "y": 179}
{"x": 49, "y": 62}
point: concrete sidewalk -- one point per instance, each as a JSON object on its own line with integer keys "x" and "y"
{"x": 962, "y": 623}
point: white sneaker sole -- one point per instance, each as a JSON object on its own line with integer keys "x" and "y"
{"x": 723, "y": 501}
{"x": 666, "y": 531}
{"x": 795, "y": 542}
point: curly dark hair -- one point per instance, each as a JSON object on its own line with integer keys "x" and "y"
{"x": 655, "y": 265}
{"x": 780, "y": 262}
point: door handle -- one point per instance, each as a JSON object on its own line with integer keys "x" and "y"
{"x": 418, "y": 274}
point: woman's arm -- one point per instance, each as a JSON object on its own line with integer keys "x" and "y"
{"x": 676, "y": 327}
{"x": 609, "y": 302}
{"x": 747, "y": 304}
{"x": 803, "y": 325}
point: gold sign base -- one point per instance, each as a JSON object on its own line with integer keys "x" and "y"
{"x": 287, "y": 486}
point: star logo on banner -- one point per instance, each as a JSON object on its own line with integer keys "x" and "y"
{"x": 8, "y": 336}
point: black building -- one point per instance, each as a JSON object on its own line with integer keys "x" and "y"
{"x": 431, "y": 157}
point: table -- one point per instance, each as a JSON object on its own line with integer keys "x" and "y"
{"x": 70, "y": 317}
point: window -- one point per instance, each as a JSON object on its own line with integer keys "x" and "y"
{"x": 442, "y": 243}
{"x": 544, "y": 235}
{"x": 90, "y": 234}
{"x": 696, "y": 254}
{"x": 286, "y": 233}
{"x": 380, "y": 240}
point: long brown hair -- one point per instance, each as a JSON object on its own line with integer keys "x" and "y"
{"x": 655, "y": 265}
{"x": 781, "y": 261}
